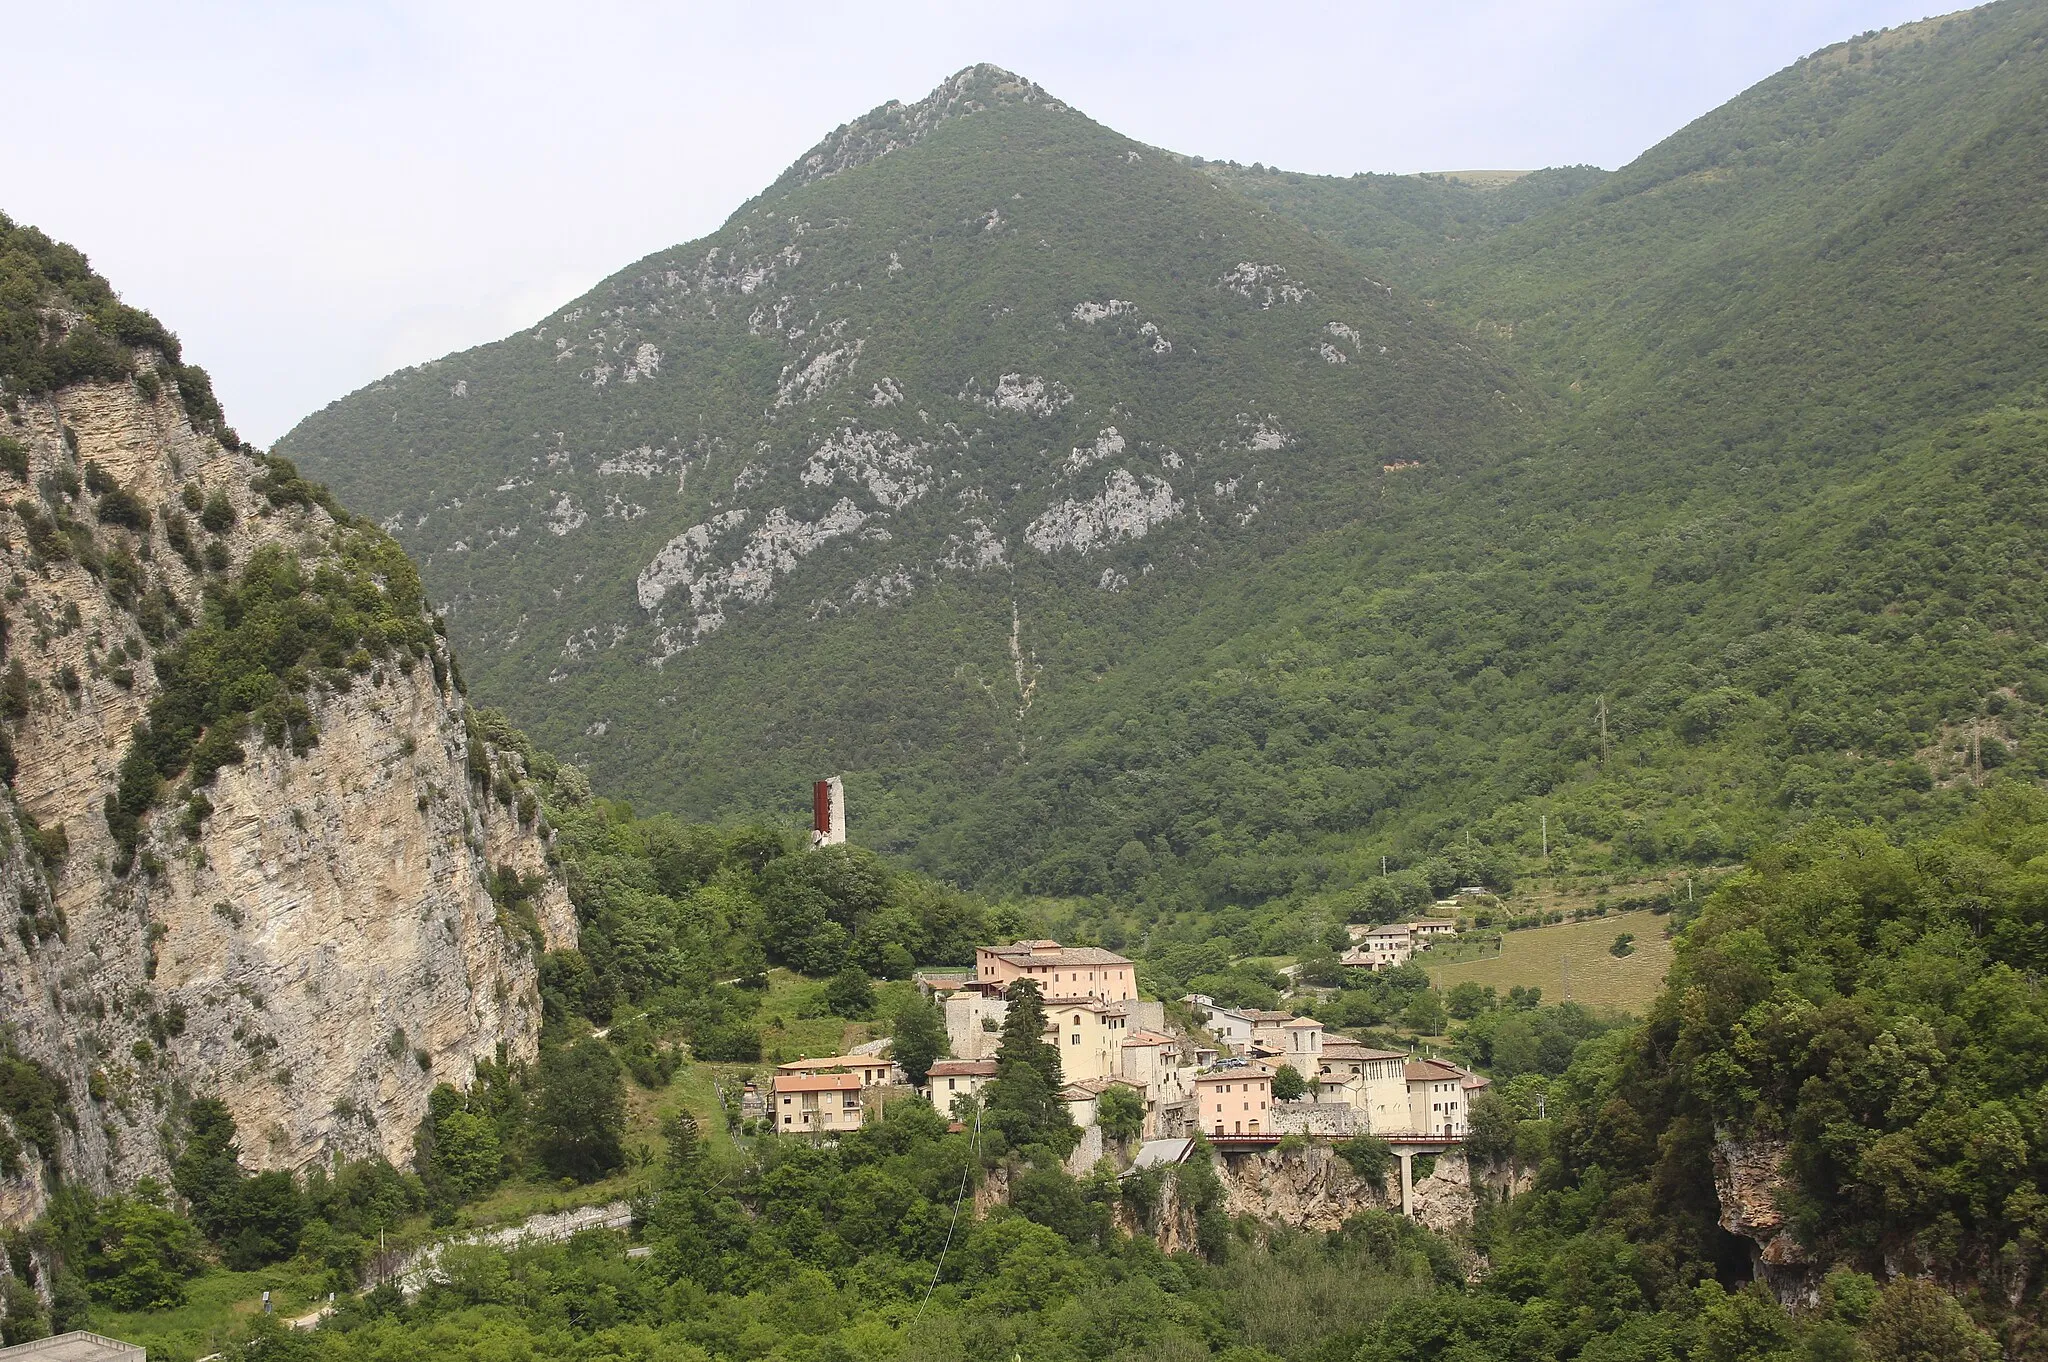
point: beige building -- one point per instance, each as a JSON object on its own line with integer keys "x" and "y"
{"x": 1090, "y": 1034}
{"x": 1059, "y": 971}
{"x": 872, "y": 1070}
{"x": 1436, "y": 1098}
{"x": 1235, "y": 1098}
{"x": 1372, "y": 1081}
{"x": 805, "y": 1104}
{"x": 1269, "y": 1031}
{"x": 953, "y": 1079}
{"x": 1302, "y": 1046}
{"x": 1382, "y": 948}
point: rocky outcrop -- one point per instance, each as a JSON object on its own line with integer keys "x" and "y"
{"x": 321, "y": 948}
{"x": 1750, "y": 1181}
{"x": 1308, "y": 1187}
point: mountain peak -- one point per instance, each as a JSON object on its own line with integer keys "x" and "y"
{"x": 896, "y": 125}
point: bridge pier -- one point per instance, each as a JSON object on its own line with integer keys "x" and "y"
{"x": 1407, "y": 1158}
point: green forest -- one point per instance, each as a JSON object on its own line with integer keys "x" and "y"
{"x": 1666, "y": 541}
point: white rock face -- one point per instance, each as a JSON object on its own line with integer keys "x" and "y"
{"x": 327, "y": 935}
{"x": 802, "y": 383}
{"x": 1125, "y": 509}
{"x": 774, "y": 548}
{"x": 979, "y": 548}
{"x": 1032, "y": 396}
{"x": 680, "y": 558}
{"x": 1266, "y": 285}
{"x": 1331, "y": 354}
{"x": 892, "y": 469}
{"x": 1089, "y": 313}
{"x": 1108, "y": 444}
{"x": 565, "y": 515}
{"x": 1263, "y": 432}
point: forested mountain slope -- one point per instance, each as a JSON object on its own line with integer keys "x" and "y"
{"x": 1408, "y": 229}
{"x": 1737, "y": 447}
{"x": 903, "y": 459}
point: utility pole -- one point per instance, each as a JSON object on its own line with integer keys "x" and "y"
{"x": 1603, "y": 730}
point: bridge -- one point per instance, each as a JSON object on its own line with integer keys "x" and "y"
{"x": 1405, "y": 1148}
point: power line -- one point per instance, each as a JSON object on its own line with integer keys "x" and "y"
{"x": 973, "y": 1146}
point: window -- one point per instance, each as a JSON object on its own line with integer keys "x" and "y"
{"x": 952, "y": 1085}
{"x": 1075, "y": 1039}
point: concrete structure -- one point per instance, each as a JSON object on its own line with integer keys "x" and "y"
{"x": 828, "y": 813}
{"x": 974, "y": 1025}
{"x": 974, "y": 1022}
{"x": 871, "y": 1070}
{"x": 76, "y": 1346}
{"x": 1422, "y": 931}
{"x": 1302, "y": 1046}
{"x": 827, "y": 1104}
{"x": 1436, "y": 1098}
{"x": 1372, "y": 1081}
{"x": 953, "y": 1079}
{"x": 1232, "y": 1028}
{"x": 1333, "y": 1120}
{"x": 1234, "y": 1098}
{"x": 1269, "y": 1031}
{"x": 1090, "y": 1034}
{"x": 1059, "y": 971}
{"x": 1382, "y": 948}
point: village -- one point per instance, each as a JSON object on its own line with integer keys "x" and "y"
{"x": 1211, "y": 1074}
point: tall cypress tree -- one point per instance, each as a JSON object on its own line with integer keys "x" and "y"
{"x": 1024, "y": 1097}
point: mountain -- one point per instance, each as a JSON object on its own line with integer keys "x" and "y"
{"x": 247, "y": 822}
{"x": 1699, "y": 503}
{"x": 887, "y": 474}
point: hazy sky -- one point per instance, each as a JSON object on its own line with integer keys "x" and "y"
{"x": 312, "y": 195}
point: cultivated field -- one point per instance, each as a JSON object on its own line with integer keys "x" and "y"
{"x": 1570, "y": 961}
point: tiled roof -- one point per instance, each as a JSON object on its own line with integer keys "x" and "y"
{"x": 816, "y": 1082}
{"x": 1147, "y": 1038}
{"x": 1343, "y": 1047}
{"x": 1052, "y": 953}
{"x": 834, "y": 1062}
{"x": 1306, "y": 1023}
{"x": 961, "y": 1068}
{"x": 1432, "y": 1071}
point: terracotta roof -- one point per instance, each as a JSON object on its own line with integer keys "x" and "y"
{"x": 1474, "y": 1082}
{"x": 1093, "y": 1087}
{"x": 1262, "y": 1014}
{"x": 1147, "y": 1038}
{"x": 958, "y": 1068}
{"x": 1306, "y": 1023}
{"x": 1343, "y": 1047}
{"x": 834, "y": 1062}
{"x": 1053, "y": 953}
{"x": 1432, "y": 1071}
{"x": 1107, "y": 1009}
{"x": 816, "y": 1083}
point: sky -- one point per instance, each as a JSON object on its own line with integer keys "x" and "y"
{"x": 313, "y": 195}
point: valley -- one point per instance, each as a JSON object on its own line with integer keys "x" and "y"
{"x": 1432, "y": 765}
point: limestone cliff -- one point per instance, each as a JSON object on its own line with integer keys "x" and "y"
{"x": 320, "y": 948}
{"x": 1749, "y": 1180}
